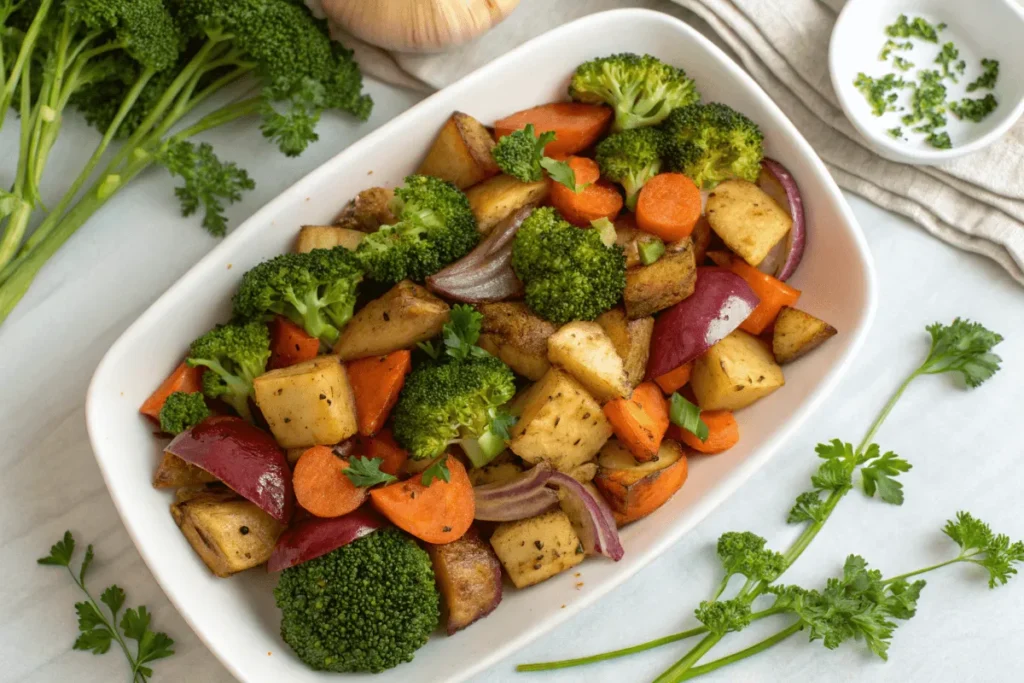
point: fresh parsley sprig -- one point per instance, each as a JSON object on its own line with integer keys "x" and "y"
{"x": 437, "y": 470}
{"x": 520, "y": 154}
{"x": 365, "y": 472}
{"x": 97, "y": 632}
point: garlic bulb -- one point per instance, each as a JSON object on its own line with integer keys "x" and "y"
{"x": 417, "y": 25}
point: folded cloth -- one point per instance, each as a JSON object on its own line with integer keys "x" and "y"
{"x": 975, "y": 203}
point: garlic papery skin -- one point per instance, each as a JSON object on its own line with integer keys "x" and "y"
{"x": 417, "y": 25}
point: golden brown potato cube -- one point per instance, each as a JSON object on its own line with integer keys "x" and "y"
{"x": 559, "y": 423}
{"x": 469, "y": 578}
{"x": 229, "y": 534}
{"x": 701, "y": 238}
{"x": 734, "y": 373}
{"x": 662, "y": 284}
{"x": 519, "y": 338}
{"x": 585, "y": 472}
{"x": 747, "y": 219}
{"x": 406, "y": 315}
{"x": 629, "y": 237}
{"x": 797, "y": 333}
{"x": 461, "y": 154}
{"x": 308, "y": 403}
{"x": 327, "y": 237}
{"x": 500, "y": 470}
{"x": 632, "y": 341}
{"x": 173, "y": 472}
{"x": 370, "y": 209}
{"x": 537, "y": 548}
{"x": 584, "y": 351}
{"x": 497, "y": 198}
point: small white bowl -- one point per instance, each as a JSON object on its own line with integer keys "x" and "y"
{"x": 979, "y": 28}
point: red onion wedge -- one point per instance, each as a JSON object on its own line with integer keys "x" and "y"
{"x": 313, "y": 537}
{"x": 484, "y": 274}
{"x": 590, "y": 516}
{"x": 522, "y": 497}
{"x": 778, "y": 183}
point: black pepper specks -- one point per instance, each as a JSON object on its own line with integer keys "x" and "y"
{"x": 445, "y": 529}
{"x": 244, "y": 530}
{"x": 539, "y": 544}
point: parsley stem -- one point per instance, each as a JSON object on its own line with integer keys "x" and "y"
{"x": 805, "y": 538}
{"x": 754, "y": 649}
{"x": 940, "y": 565}
{"x": 109, "y": 626}
{"x": 893, "y": 400}
{"x": 678, "y": 671}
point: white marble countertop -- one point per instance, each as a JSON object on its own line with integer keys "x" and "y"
{"x": 963, "y": 445}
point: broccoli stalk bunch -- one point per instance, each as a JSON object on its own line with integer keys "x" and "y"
{"x": 435, "y": 227}
{"x": 711, "y": 143}
{"x": 641, "y": 89}
{"x": 315, "y": 290}
{"x": 183, "y": 411}
{"x": 365, "y": 607}
{"x": 631, "y": 158}
{"x": 569, "y": 273}
{"x": 457, "y": 398}
{"x": 233, "y": 355}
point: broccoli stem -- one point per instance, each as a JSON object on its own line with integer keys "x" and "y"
{"x": 28, "y": 46}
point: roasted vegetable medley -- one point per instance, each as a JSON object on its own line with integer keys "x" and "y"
{"x": 481, "y": 375}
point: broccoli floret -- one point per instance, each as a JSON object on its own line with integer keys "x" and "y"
{"x": 569, "y": 273}
{"x": 630, "y": 158}
{"x": 365, "y": 607}
{"x": 711, "y": 143}
{"x": 182, "y": 412}
{"x": 234, "y": 355}
{"x": 519, "y": 153}
{"x": 315, "y": 290}
{"x": 435, "y": 227}
{"x": 641, "y": 89}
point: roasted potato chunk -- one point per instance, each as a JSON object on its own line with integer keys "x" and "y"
{"x": 636, "y": 489}
{"x": 537, "y": 548}
{"x": 461, "y": 154}
{"x": 747, "y": 219}
{"x": 308, "y": 403}
{"x": 632, "y": 341}
{"x": 514, "y": 334}
{"x": 585, "y": 473}
{"x": 405, "y": 315}
{"x": 662, "y": 284}
{"x": 327, "y": 237}
{"x": 369, "y": 210}
{"x": 229, "y": 534}
{"x": 701, "y": 238}
{"x": 630, "y": 237}
{"x": 173, "y": 472}
{"x": 584, "y": 351}
{"x": 468, "y": 577}
{"x": 497, "y": 198}
{"x": 559, "y": 423}
{"x": 734, "y": 373}
{"x": 797, "y": 333}
{"x": 503, "y": 468}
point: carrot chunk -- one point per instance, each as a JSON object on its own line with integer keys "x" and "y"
{"x": 376, "y": 383}
{"x": 290, "y": 344}
{"x": 439, "y": 513}
{"x": 184, "y": 378}
{"x": 597, "y": 200}
{"x": 321, "y": 486}
{"x": 774, "y": 294}
{"x": 576, "y": 125}
{"x": 668, "y": 206}
{"x": 674, "y": 380}
{"x": 383, "y": 445}
{"x": 723, "y": 432}
{"x": 640, "y": 422}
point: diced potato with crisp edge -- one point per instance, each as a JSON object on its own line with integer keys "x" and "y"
{"x": 404, "y": 316}
{"x": 497, "y": 198}
{"x": 307, "y": 404}
{"x": 584, "y": 473}
{"x": 536, "y": 548}
{"x": 747, "y": 219}
{"x": 583, "y": 350}
{"x": 500, "y": 470}
{"x": 517, "y": 336}
{"x": 662, "y": 284}
{"x": 632, "y": 341}
{"x": 461, "y": 153}
{"x": 734, "y": 373}
{"x": 468, "y": 577}
{"x": 559, "y": 423}
{"x": 173, "y": 472}
{"x": 798, "y": 333}
{"x": 369, "y": 210}
{"x": 636, "y": 489}
{"x": 327, "y": 237}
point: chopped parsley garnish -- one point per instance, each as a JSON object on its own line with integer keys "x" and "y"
{"x": 917, "y": 28}
{"x": 986, "y": 80}
{"x": 902, "y": 64}
{"x": 974, "y": 109}
{"x": 947, "y": 56}
{"x": 939, "y": 140}
{"x": 891, "y": 45}
{"x": 896, "y": 132}
{"x": 880, "y": 92}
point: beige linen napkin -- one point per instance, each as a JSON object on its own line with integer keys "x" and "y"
{"x": 975, "y": 203}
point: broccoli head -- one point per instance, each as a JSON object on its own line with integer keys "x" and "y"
{"x": 233, "y": 355}
{"x": 569, "y": 273}
{"x": 435, "y": 227}
{"x": 630, "y": 158}
{"x": 182, "y": 412}
{"x": 711, "y": 143}
{"x": 365, "y": 607}
{"x": 641, "y": 89}
{"x": 315, "y": 290}
{"x": 520, "y": 152}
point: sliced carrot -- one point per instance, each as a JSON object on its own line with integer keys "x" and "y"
{"x": 376, "y": 383}
{"x": 674, "y": 380}
{"x": 383, "y": 446}
{"x": 184, "y": 378}
{"x": 774, "y": 294}
{"x": 640, "y": 422}
{"x": 576, "y": 125}
{"x": 321, "y": 486}
{"x": 723, "y": 432}
{"x": 668, "y": 206}
{"x": 290, "y": 344}
{"x": 439, "y": 513}
{"x": 597, "y": 200}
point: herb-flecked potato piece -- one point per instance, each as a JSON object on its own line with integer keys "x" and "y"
{"x": 517, "y": 336}
{"x": 636, "y": 489}
{"x": 468, "y": 576}
{"x": 497, "y": 198}
{"x": 173, "y": 472}
{"x": 461, "y": 153}
{"x": 734, "y": 373}
{"x": 632, "y": 341}
{"x": 307, "y": 404}
{"x": 662, "y": 284}
{"x": 327, "y": 237}
{"x": 230, "y": 534}
{"x": 503, "y": 468}
{"x": 747, "y": 219}
{"x": 583, "y": 350}
{"x": 404, "y": 316}
{"x": 536, "y": 548}
{"x": 797, "y": 333}
{"x": 369, "y": 210}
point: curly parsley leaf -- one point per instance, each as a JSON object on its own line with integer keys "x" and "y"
{"x": 723, "y": 616}
{"x": 365, "y": 472}
{"x": 439, "y": 470}
{"x": 462, "y": 331}
{"x": 293, "y": 126}
{"x": 745, "y": 553}
{"x": 809, "y": 507}
{"x": 964, "y": 347}
{"x": 980, "y": 546}
{"x": 877, "y": 474}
